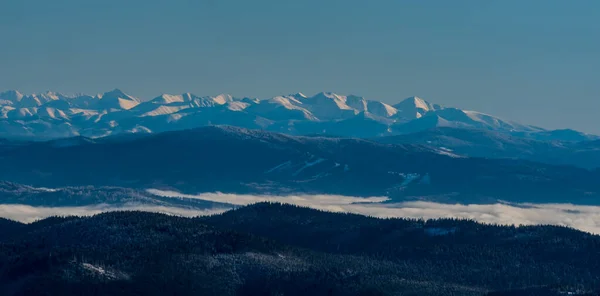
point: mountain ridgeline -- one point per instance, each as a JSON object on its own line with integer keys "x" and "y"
{"x": 52, "y": 115}
{"x": 249, "y": 251}
{"x": 236, "y": 160}
{"x": 489, "y": 144}
{"x": 115, "y": 197}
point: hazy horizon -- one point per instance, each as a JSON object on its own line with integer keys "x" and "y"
{"x": 533, "y": 62}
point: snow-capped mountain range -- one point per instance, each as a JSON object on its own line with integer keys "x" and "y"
{"x": 53, "y": 115}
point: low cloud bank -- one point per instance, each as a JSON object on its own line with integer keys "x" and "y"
{"x": 332, "y": 202}
{"x": 585, "y": 218}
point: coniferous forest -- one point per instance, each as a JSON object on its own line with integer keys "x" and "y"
{"x": 276, "y": 249}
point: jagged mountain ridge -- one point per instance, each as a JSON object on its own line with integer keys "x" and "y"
{"x": 52, "y": 115}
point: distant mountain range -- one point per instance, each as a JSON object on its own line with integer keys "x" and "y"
{"x": 237, "y": 160}
{"x": 490, "y": 144}
{"x": 413, "y": 150}
{"x": 52, "y": 115}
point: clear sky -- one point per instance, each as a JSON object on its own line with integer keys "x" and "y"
{"x": 534, "y": 61}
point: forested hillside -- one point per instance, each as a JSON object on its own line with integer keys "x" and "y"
{"x": 274, "y": 249}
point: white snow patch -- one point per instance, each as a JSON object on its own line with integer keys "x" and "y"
{"x": 140, "y": 129}
{"x": 222, "y": 99}
{"x": 174, "y": 117}
{"x": 102, "y": 272}
{"x": 409, "y": 178}
{"x": 84, "y": 112}
{"x": 421, "y": 104}
{"x": 237, "y": 106}
{"x": 96, "y": 269}
{"x": 46, "y": 189}
{"x": 164, "y": 110}
{"x": 278, "y": 167}
{"x": 126, "y": 103}
{"x": 309, "y": 164}
{"x": 448, "y": 153}
{"x": 321, "y": 175}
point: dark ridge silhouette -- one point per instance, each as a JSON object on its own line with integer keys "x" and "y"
{"x": 275, "y": 249}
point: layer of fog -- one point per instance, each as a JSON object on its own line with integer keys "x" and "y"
{"x": 331, "y": 202}
{"x": 585, "y": 218}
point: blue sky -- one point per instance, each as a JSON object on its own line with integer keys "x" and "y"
{"x": 534, "y": 61}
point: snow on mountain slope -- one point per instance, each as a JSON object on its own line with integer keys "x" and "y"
{"x": 163, "y": 110}
{"x": 64, "y": 104}
{"x": 4, "y": 111}
{"x": 52, "y": 113}
{"x": 116, "y": 99}
{"x": 168, "y": 99}
{"x": 374, "y": 107}
{"x": 169, "y": 104}
{"x": 357, "y": 103}
{"x": 82, "y": 101}
{"x": 481, "y": 120}
{"x": 35, "y": 100}
{"x": 381, "y": 109}
{"x": 457, "y": 118}
{"x": 21, "y": 113}
{"x": 497, "y": 123}
{"x": 48, "y": 115}
{"x": 282, "y": 108}
{"x": 18, "y": 100}
{"x": 10, "y": 98}
{"x": 222, "y": 99}
{"x": 237, "y": 105}
{"x": 415, "y": 107}
{"x": 329, "y": 106}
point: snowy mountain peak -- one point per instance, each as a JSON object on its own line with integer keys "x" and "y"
{"x": 46, "y": 97}
{"x": 418, "y": 103}
{"x": 14, "y": 93}
{"x": 356, "y": 102}
{"x": 10, "y": 97}
{"x": 222, "y": 99}
{"x": 298, "y": 95}
{"x": 330, "y": 95}
{"x": 114, "y": 94}
{"x": 168, "y": 99}
{"x": 187, "y": 96}
{"x": 415, "y": 107}
{"x": 329, "y": 106}
{"x": 117, "y": 99}
{"x": 54, "y": 115}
